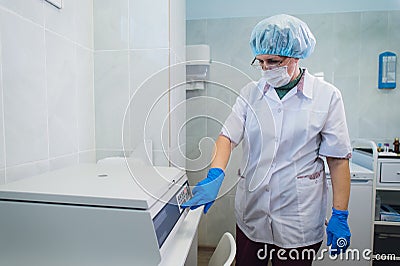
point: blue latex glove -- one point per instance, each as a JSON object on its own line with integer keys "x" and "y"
{"x": 338, "y": 232}
{"x": 206, "y": 191}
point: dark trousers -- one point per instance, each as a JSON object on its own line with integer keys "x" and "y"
{"x": 255, "y": 253}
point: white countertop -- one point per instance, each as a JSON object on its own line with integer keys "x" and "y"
{"x": 356, "y": 171}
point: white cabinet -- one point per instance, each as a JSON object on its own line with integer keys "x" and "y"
{"x": 360, "y": 211}
{"x": 386, "y": 236}
{"x": 389, "y": 172}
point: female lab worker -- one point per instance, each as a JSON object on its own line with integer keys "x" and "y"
{"x": 285, "y": 121}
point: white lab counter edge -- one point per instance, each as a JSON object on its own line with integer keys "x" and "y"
{"x": 184, "y": 236}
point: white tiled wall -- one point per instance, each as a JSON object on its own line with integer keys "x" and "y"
{"x": 149, "y": 24}
{"x": 111, "y": 96}
{"x": 47, "y": 114}
{"x": 347, "y": 51}
{"x": 135, "y": 42}
{"x": 111, "y": 24}
{"x": 50, "y": 61}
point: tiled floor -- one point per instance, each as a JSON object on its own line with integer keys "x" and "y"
{"x": 204, "y": 255}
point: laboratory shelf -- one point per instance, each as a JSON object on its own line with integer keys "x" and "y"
{"x": 387, "y": 223}
{"x": 388, "y": 188}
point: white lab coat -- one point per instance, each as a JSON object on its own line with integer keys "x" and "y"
{"x": 281, "y": 197}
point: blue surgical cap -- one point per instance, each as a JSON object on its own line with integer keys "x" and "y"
{"x": 282, "y": 35}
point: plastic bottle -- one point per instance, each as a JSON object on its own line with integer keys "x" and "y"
{"x": 386, "y": 147}
{"x": 396, "y": 145}
{"x": 379, "y": 147}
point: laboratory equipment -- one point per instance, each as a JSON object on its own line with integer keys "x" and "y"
{"x": 380, "y": 149}
{"x": 385, "y": 234}
{"x": 387, "y": 166}
{"x": 386, "y": 147}
{"x": 92, "y": 214}
{"x": 396, "y": 144}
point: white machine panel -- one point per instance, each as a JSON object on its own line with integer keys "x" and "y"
{"x": 100, "y": 185}
{"x": 91, "y": 214}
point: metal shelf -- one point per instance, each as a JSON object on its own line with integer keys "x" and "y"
{"x": 388, "y": 188}
{"x": 386, "y": 223}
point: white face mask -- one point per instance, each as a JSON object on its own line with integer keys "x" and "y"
{"x": 276, "y": 77}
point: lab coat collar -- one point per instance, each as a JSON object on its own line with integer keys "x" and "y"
{"x": 269, "y": 92}
{"x": 306, "y": 84}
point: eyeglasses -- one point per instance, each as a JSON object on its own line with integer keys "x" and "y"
{"x": 268, "y": 64}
